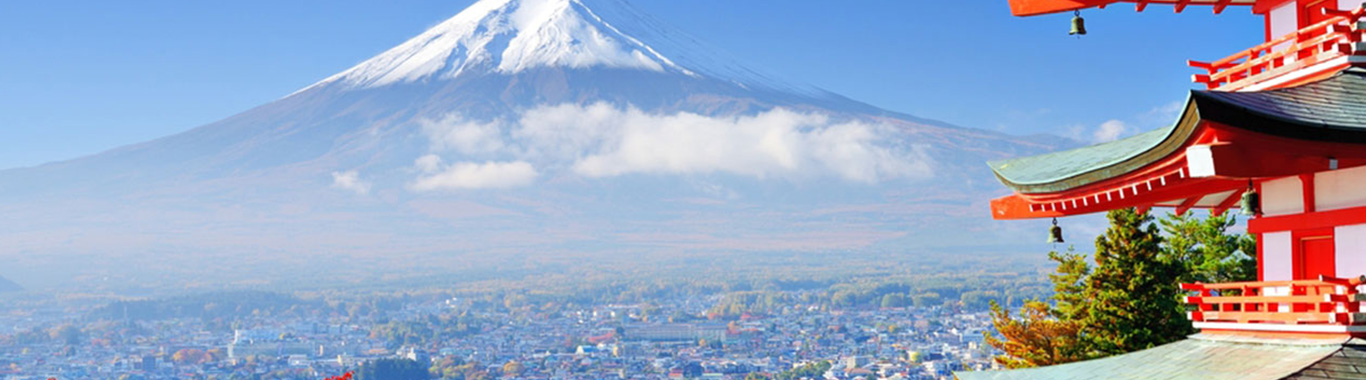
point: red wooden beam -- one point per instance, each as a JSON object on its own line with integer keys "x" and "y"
{"x": 1227, "y": 203}
{"x": 1312, "y": 220}
{"x": 1219, "y": 6}
{"x": 1187, "y": 204}
{"x": 1016, "y": 206}
{"x": 1040, "y": 7}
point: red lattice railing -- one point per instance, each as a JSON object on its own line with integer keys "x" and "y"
{"x": 1326, "y": 301}
{"x": 1330, "y": 39}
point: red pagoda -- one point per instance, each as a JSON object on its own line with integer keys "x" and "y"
{"x": 1277, "y": 130}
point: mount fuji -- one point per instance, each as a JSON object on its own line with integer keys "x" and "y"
{"x": 515, "y": 129}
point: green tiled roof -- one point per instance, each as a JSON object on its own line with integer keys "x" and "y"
{"x": 1332, "y": 110}
{"x": 1199, "y": 357}
{"x": 1058, "y": 166}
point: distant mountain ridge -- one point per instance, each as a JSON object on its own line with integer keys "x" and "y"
{"x": 517, "y": 127}
{"x": 9, "y": 286}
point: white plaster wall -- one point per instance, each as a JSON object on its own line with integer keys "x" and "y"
{"x": 1348, "y": 5}
{"x": 1284, "y": 21}
{"x": 1283, "y": 196}
{"x": 1339, "y": 189}
{"x": 1276, "y": 260}
{"x": 1350, "y": 250}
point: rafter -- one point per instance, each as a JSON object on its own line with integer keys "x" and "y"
{"x": 1227, "y": 203}
{"x": 1187, "y": 205}
{"x": 1219, "y": 6}
{"x": 1181, "y": 5}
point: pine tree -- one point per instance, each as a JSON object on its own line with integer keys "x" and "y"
{"x": 1132, "y": 292}
{"x": 1209, "y": 253}
{"x": 1129, "y": 300}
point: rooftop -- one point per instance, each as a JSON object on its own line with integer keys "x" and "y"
{"x": 1212, "y": 357}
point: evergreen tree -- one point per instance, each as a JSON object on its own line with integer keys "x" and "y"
{"x": 1130, "y": 299}
{"x": 1132, "y": 292}
{"x": 1209, "y": 253}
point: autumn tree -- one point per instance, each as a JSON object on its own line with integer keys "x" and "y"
{"x": 190, "y": 356}
{"x": 513, "y": 368}
{"x": 1037, "y": 338}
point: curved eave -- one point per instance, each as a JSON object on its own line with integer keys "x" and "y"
{"x": 1330, "y": 110}
{"x": 1238, "y": 136}
{"x": 1118, "y": 158}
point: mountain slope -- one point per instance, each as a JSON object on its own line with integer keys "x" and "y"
{"x": 554, "y": 127}
{"x": 9, "y": 286}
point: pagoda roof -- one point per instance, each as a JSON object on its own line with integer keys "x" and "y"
{"x": 1329, "y": 110}
{"x": 1210, "y": 357}
{"x": 1333, "y": 109}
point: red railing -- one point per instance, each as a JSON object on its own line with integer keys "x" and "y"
{"x": 1327, "y": 40}
{"x": 1326, "y": 301}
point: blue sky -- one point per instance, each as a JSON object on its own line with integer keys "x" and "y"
{"x": 77, "y": 78}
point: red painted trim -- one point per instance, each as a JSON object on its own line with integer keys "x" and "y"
{"x": 1266, "y": 17}
{"x": 1040, "y": 7}
{"x": 1261, "y": 268}
{"x": 1015, "y": 206}
{"x": 1321, "y": 219}
{"x": 1265, "y": 6}
{"x": 1240, "y": 154}
{"x": 1307, "y": 187}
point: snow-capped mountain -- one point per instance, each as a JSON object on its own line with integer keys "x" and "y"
{"x": 575, "y": 127}
{"x": 514, "y": 36}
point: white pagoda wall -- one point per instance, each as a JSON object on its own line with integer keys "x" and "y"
{"x": 1284, "y": 196}
{"x": 1339, "y": 189}
{"x": 1276, "y": 256}
{"x": 1350, "y": 250}
{"x": 1342, "y": 189}
{"x": 1284, "y": 19}
{"x": 1333, "y": 190}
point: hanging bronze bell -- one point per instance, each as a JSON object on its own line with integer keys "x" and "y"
{"x": 1251, "y": 202}
{"x": 1055, "y": 233}
{"x": 1078, "y": 25}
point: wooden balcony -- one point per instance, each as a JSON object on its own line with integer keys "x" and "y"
{"x": 1327, "y": 305}
{"x": 1307, "y": 54}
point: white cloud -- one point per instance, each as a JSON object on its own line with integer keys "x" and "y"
{"x": 1109, "y": 131}
{"x": 453, "y": 132}
{"x": 350, "y": 180}
{"x": 428, "y": 164}
{"x": 470, "y": 175}
{"x": 605, "y": 141}
{"x": 601, "y": 140}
